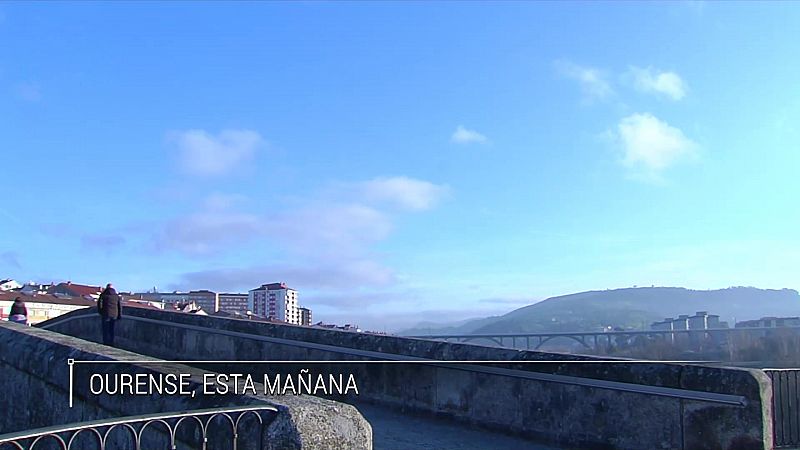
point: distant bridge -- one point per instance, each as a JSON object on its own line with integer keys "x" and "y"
{"x": 592, "y": 340}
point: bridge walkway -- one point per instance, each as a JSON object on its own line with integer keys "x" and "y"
{"x": 394, "y": 430}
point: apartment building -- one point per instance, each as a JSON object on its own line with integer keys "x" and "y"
{"x": 305, "y": 316}
{"x": 233, "y": 303}
{"x": 207, "y": 300}
{"x": 274, "y": 301}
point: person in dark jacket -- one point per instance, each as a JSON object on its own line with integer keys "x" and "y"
{"x": 109, "y": 305}
{"x": 18, "y": 313}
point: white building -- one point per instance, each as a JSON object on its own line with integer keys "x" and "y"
{"x": 274, "y": 301}
{"x": 42, "y": 307}
{"x": 9, "y": 285}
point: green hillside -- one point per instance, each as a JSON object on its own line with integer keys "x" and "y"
{"x": 630, "y": 308}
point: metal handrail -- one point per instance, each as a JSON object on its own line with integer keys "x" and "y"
{"x": 65, "y": 434}
{"x": 785, "y": 402}
{"x": 685, "y": 394}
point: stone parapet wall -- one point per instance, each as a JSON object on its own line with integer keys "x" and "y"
{"x": 576, "y": 415}
{"x": 35, "y": 387}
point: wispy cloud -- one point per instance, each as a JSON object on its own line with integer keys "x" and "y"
{"x": 321, "y": 242}
{"x": 57, "y": 230}
{"x": 652, "y": 81}
{"x": 207, "y": 232}
{"x": 11, "y": 259}
{"x": 314, "y": 227}
{"x": 204, "y": 154}
{"x": 466, "y": 136}
{"x": 404, "y": 192}
{"x": 594, "y": 82}
{"x": 347, "y": 275}
{"x": 102, "y": 242}
{"x": 650, "y": 145}
{"x": 360, "y": 300}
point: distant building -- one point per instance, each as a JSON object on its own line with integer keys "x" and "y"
{"x": 332, "y": 326}
{"x": 205, "y": 299}
{"x": 9, "y": 285}
{"x": 166, "y": 298}
{"x": 681, "y": 323}
{"x": 664, "y": 325}
{"x": 32, "y": 288}
{"x": 770, "y": 322}
{"x": 191, "y": 307}
{"x": 305, "y": 316}
{"x": 274, "y": 301}
{"x": 174, "y": 298}
{"x": 133, "y": 301}
{"x": 70, "y": 289}
{"x": 702, "y": 320}
{"x": 233, "y": 303}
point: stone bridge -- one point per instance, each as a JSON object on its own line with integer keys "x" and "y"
{"x": 569, "y": 401}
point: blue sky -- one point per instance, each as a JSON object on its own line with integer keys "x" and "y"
{"x": 398, "y": 162}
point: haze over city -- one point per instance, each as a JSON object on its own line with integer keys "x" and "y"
{"x": 400, "y": 162}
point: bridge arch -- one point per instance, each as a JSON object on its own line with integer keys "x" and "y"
{"x": 496, "y": 339}
{"x": 577, "y": 339}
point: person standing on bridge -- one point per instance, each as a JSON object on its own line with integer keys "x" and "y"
{"x": 109, "y": 305}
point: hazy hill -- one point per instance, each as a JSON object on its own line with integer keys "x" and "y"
{"x": 633, "y": 307}
{"x": 459, "y": 327}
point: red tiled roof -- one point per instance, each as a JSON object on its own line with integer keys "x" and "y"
{"x": 46, "y": 298}
{"x": 77, "y": 289}
{"x": 126, "y": 303}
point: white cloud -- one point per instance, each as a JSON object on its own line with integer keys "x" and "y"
{"x": 345, "y": 275}
{"x": 344, "y": 225}
{"x": 407, "y": 193}
{"x": 200, "y": 153}
{"x": 207, "y": 232}
{"x": 652, "y": 145}
{"x": 318, "y": 230}
{"x": 593, "y": 81}
{"x": 466, "y": 136}
{"x": 652, "y": 81}
{"x": 325, "y": 242}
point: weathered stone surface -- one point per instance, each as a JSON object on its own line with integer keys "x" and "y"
{"x": 563, "y": 414}
{"x": 34, "y": 393}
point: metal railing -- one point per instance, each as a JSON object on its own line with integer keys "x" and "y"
{"x": 65, "y": 437}
{"x": 785, "y": 407}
